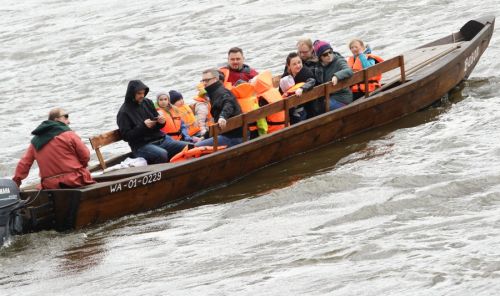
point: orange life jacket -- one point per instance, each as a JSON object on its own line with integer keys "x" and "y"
{"x": 373, "y": 82}
{"x": 173, "y": 123}
{"x": 265, "y": 90}
{"x": 245, "y": 95}
{"x": 291, "y": 90}
{"x": 189, "y": 119}
{"x": 196, "y": 152}
{"x": 226, "y": 83}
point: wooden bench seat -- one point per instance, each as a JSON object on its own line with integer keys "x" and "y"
{"x": 99, "y": 141}
{"x": 107, "y": 138}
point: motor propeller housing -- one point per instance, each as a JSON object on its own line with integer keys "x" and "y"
{"x": 10, "y": 204}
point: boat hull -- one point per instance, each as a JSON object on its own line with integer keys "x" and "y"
{"x": 77, "y": 208}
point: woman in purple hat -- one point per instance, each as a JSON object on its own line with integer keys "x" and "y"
{"x": 332, "y": 67}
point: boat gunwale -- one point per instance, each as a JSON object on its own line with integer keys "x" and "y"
{"x": 313, "y": 123}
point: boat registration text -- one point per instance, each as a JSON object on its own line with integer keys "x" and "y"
{"x": 133, "y": 183}
{"x": 469, "y": 61}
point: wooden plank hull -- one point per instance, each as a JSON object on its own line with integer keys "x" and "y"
{"x": 97, "y": 203}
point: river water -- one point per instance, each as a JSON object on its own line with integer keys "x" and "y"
{"x": 412, "y": 208}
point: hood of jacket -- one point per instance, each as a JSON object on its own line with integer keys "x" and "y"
{"x": 46, "y": 131}
{"x": 133, "y": 87}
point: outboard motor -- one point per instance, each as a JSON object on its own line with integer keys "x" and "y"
{"x": 10, "y": 203}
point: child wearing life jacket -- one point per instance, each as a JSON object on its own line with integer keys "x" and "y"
{"x": 201, "y": 109}
{"x": 363, "y": 58}
{"x": 174, "y": 126}
{"x": 186, "y": 115}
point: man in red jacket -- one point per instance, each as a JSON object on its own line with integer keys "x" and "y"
{"x": 236, "y": 69}
{"x": 60, "y": 153}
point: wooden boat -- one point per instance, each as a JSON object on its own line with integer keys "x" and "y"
{"x": 411, "y": 82}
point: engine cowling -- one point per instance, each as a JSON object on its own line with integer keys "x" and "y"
{"x": 10, "y": 203}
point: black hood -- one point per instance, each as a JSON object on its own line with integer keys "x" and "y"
{"x": 133, "y": 87}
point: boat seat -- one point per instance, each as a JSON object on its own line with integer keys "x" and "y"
{"x": 102, "y": 140}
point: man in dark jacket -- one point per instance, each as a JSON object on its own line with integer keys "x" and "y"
{"x": 223, "y": 106}
{"x": 140, "y": 125}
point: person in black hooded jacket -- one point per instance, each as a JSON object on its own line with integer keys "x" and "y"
{"x": 139, "y": 124}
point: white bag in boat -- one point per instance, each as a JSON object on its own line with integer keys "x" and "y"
{"x": 134, "y": 162}
{"x": 127, "y": 163}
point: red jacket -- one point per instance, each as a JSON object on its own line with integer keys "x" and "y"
{"x": 62, "y": 160}
{"x": 246, "y": 73}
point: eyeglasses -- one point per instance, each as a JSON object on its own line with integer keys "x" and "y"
{"x": 64, "y": 115}
{"x": 207, "y": 80}
{"x": 325, "y": 54}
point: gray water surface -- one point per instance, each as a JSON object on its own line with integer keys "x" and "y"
{"x": 412, "y": 208}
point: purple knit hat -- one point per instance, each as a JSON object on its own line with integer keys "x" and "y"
{"x": 320, "y": 47}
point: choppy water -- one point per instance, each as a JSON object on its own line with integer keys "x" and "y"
{"x": 409, "y": 209}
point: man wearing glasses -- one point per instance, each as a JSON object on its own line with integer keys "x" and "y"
{"x": 223, "y": 106}
{"x": 306, "y": 53}
{"x": 60, "y": 153}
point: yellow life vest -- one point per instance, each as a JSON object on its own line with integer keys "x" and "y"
{"x": 291, "y": 90}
